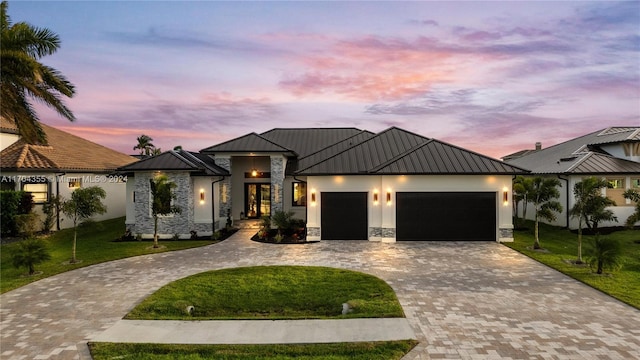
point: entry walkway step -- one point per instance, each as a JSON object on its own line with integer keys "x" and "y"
{"x": 257, "y": 331}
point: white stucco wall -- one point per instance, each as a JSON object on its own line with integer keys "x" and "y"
{"x": 383, "y": 215}
{"x": 7, "y": 139}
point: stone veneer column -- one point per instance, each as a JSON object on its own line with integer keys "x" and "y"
{"x": 277, "y": 183}
{"x": 224, "y": 195}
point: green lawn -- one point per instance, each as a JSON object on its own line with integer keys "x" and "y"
{"x": 384, "y": 350}
{"x": 562, "y": 247}
{"x": 271, "y": 292}
{"x": 95, "y": 245}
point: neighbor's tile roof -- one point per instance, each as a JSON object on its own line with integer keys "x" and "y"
{"x": 65, "y": 152}
{"x": 8, "y": 126}
{"x": 180, "y": 160}
{"x": 582, "y": 155}
{"x": 397, "y": 151}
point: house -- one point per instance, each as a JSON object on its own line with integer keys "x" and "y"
{"x": 612, "y": 154}
{"x": 68, "y": 162}
{"x": 346, "y": 183}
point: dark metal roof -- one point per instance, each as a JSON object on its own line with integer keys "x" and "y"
{"x": 568, "y": 157}
{"x": 248, "y": 143}
{"x": 178, "y": 161}
{"x": 397, "y": 151}
{"x": 308, "y": 140}
{"x": 594, "y": 163}
{"x": 332, "y": 150}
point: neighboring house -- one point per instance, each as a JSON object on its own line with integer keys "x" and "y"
{"x": 612, "y": 154}
{"x": 65, "y": 164}
{"x": 346, "y": 183}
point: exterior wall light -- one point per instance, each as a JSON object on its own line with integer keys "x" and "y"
{"x": 201, "y": 196}
{"x": 375, "y": 197}
{"x": 254, "y": 172}
{"x": 388, "y": 197}
{"x": 505, "y": 196}
{"x": 313, "y": 197}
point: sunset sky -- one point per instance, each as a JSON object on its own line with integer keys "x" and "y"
{"x": 493, "y": 77}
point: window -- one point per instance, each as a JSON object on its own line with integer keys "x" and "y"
{"x": 39, "y": 191}
{"x": 616, "y": 190}
{"x": 299, "y": 194}
{"x": 75, "y": 183}
{"x": 635, "y": 183}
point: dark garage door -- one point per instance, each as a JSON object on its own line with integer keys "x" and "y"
{"x": 446, "y": 216}
{"x": 344, "y": 216}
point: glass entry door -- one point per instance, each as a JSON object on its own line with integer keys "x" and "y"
{"x": 257, "y": 200}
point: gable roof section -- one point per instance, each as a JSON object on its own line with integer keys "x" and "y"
{"x": 178, "y": 161}
{"x": 306, "y": 141}
{"x": 397, "y": 151}
{"x": 248, "y": 143}
{"x": 65, "y": 152}
{"x": 582, "y": 155}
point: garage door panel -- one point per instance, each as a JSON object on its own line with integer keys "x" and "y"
{"x": 344, "y": 216}
{"x": 446, "y": 216}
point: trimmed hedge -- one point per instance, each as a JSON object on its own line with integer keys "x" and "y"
{"x": 12, "y": 204}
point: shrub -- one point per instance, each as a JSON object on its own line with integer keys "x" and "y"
{"x": 51, "y": 209}
{"x": 30, "y": 253}
{"x": 265, "y": 222}
{"x": 26, "y": 224}
{"x": 13, "y": 203}
{"x": 282, "y": 220}
{"x": 605, "y": 254}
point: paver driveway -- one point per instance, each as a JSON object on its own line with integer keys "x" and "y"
{"x": 464, "y": 300}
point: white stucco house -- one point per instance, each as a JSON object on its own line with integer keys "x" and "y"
{"x": 612, "y": 154}
{"x": 348, "y": 184}
{"x": 65, "y": 163}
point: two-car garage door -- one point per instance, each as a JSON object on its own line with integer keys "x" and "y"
{"x": 446, "y": 216}
{"x": 419, "y": 216}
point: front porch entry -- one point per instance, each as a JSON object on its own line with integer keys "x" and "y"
{"x": 257, "y": 200}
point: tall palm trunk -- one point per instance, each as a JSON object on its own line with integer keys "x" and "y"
{"x": 73, "y": 247}
{"x": 536, "y": 245}
{"x": 155, "y": 232}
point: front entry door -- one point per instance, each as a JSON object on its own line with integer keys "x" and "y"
{"x": 257, "y": 200}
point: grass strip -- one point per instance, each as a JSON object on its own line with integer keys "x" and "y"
{"x": 384, "y": 350}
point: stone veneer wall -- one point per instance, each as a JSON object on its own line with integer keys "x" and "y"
{"x": 224, "y": 194}
{"x": 277, "y": 183}
{"x": 181, "y": 223}
{"x": 506, "y": 234}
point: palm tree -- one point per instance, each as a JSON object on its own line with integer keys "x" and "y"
{"x": 521, "y": 193}
{"x": 633, "y": 195}
{"x": 144, "y": 145}
{"x": 30, "y": 253}
{"x": 543, "y": 193}
{"x": 590, "y": 206}
{"x": 605, "y": 254}
{"x": 162, "y": 196}
{"x": 24, "y": 78}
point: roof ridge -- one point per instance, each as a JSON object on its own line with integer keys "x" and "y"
{"x": 336, "y": 143}
{"x": 634, "y": 134}
{"x": 181, "y": 157}
{"x": 246, "y": 135}
{"x": 480, "y": 155}
{"x": 345, "y": 150}
{"x": 400, "y": 156}
{"x": 580, "y": 161}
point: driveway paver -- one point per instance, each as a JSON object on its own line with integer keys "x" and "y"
{"x": 463, "y": 300}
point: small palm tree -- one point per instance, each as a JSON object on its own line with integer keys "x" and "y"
{"x": 634, "y": 196}
{"x": 144, "y": 144}
{"x": 30, "y": 253}
{"x": 590, "y": 206}
{"x": 542, "y": 195}
{"x": 161, "y": 201}
{"x": 521, "y": 193}
{"x": 605, "y": 254}
{"x": 24, "y": 78}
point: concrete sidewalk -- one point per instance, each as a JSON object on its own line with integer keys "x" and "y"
{"x": 257, "y": 331}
